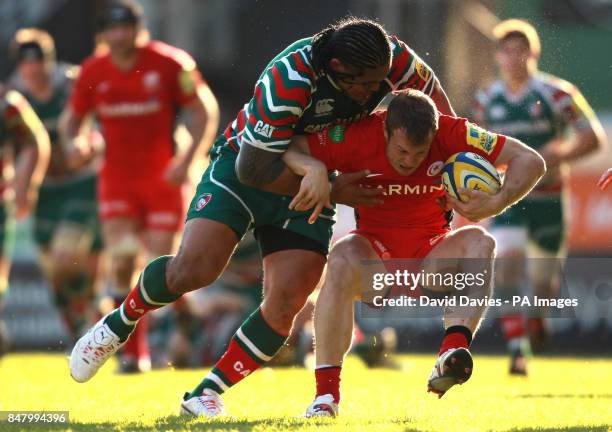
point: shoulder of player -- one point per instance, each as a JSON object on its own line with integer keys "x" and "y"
{"x": 447, "y": 126}
{"x": 405, "y": 60}
{"x": 169, "y": 53}
{"x": 293, "y": 64}
{"x": 95, "y": 63}
{"x": 488, "y": 91}
{"x": 552, "y": 87}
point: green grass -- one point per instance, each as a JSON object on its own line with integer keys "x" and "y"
{"x": 560, "y": 395}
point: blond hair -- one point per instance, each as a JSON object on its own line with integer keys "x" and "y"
{"x": 34, "y": 36}
{"x": 518, "y": 28}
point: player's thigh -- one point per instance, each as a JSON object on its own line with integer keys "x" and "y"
{"x": 121, "y": 236}
{"x": 290, "y": 276}
{"x": 75, "y": 237}
{"x": 47, "y": 213}
{"x": 469, "y": 249}
{"x": 204, "y": 251}
{"x": 355, "y": 269}
{"x": 544, "y": 268}
{"x": 511, "y": 261}
{"x": 158, "y": 242}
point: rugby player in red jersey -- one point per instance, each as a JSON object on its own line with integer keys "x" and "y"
{"x": 135, "y": 88}
{"x": 406, "y": 148}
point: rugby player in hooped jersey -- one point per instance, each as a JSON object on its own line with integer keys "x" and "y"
{"x": 66, "y": 223}
{"x": 21, "y": 127}
{"x": 406, "y": 149}
{"x": 540, "y": 110}
{"x": 336, "y": 76}
{"x": 136, "y": 88}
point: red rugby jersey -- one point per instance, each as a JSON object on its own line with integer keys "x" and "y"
{"x": 137, "y": 109}
{"x": 409, "y": 201}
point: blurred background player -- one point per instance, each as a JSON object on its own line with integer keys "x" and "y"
{"x": 66, "y": 226}
{"x": 540, "y": 110}
{"x": 24, "y": 143}
{"x": 135, "y": 88}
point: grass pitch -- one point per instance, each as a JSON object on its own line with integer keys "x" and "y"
{"x": 560, "y": 395}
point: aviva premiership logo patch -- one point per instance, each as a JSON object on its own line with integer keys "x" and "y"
{"x": 422, "y": 70}
{"x": 202, "y": 201}
{"x": 480, "y": 138}
{"x": 336, "y": 134}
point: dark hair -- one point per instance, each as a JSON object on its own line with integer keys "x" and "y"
{"x": 415, "y": 113}
{"x": 357, "y": 42}
{"x": 120, "y": 11}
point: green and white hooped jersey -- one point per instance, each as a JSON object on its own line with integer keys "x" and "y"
{"x": 290, "y": 98}
{"x": 62, "y": 78}
{"x": 547, "y": 109}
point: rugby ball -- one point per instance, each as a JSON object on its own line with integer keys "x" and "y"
{"x": 469, "y": 171}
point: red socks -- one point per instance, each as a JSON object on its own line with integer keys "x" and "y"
{"x": 328, "y": 381}
{"x": 456, "y": 337}
{"x": 513, "y": 326}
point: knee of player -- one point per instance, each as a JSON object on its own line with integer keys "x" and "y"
{"x": 344, "y": 259}
{"x": 478, "y": 243}
{"x": 281, "y": 314}
{"x": 187, "y": 273}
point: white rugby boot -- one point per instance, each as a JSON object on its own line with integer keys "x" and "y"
{"x": 453, "y": 367}
{"x": 209, "y": 404}
{"x": 92, "y": 350}
{"x": 323, "y": 406}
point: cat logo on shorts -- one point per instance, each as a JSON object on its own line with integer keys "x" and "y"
{"x": 480, "y": 138}
{"x": 422, "y": 70}
{"x": 202, "y": 201}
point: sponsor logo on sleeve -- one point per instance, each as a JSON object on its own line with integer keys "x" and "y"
{"x": 263, "y": 129}
{"x": 422, "y": 70}
{"x": 187, "y": 81}
{"x": 480, "y": 138}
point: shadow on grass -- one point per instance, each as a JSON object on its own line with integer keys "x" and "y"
{"x": 177, "y": 423}
{"x": 565, "y": 396}
{"x": 600, "y": 428}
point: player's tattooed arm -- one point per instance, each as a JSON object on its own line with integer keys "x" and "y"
{"x": 266, "y": 170}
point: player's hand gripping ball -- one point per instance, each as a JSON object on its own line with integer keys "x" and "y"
{"x": 469, "y": 171}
